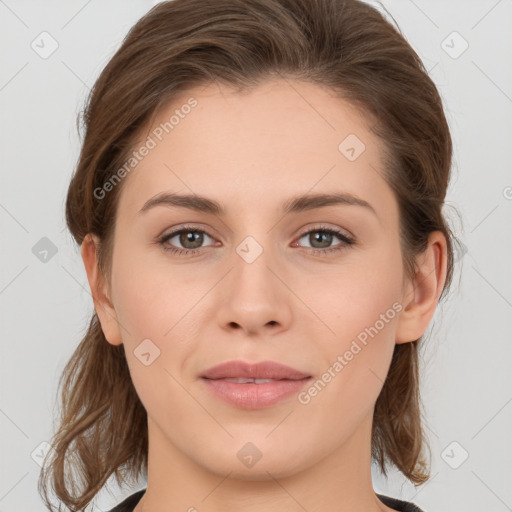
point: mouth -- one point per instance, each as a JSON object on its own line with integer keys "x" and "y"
{"x": 253, "y": 386}
{"x": 243, "y": 380}
{"x": 264, "y": 370}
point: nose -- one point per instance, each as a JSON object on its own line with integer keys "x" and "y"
{"x": 254, "y": 297}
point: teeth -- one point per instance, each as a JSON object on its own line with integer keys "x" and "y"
{"x": 242, "y": 380}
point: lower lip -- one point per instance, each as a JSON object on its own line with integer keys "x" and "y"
{"x": 254, "y": 396}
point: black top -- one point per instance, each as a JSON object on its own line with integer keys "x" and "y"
{"x": 401, "y": 506}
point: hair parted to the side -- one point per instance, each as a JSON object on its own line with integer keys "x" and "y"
{"x": 346, "y": 45}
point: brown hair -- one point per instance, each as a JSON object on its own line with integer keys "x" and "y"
{"x": 346, "y": 45}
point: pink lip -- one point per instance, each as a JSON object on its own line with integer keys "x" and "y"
{"x": 262, "y": 370}
{"x": 286, "y": 381}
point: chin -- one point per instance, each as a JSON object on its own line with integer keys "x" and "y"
{"x": 257, "y": 460}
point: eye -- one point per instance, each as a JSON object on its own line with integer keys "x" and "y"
{"x": 321, "y": 239}
{"x": 190, "y": 238}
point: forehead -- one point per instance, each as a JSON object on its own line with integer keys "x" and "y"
{"x": 282, "y": 137}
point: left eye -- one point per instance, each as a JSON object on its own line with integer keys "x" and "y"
{"x": 192, "y": 240}
{"x": 324, "y": 237}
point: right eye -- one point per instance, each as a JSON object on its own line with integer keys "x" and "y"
{"x": 190, "y": 238}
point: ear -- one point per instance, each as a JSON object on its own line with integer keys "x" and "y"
{"x": 422, "y": 293}
{"x": 99, "y": 290}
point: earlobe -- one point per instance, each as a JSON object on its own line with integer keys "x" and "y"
{"x": 423, "y": 291}
{"x": 99, "y": 290}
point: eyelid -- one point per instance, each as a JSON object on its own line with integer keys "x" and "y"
{"x": 175, "y": 230}
{"x": 346, "y": 240}
{"x": 323, "y": 227}
{"x": 206, "y": 229}
{"x": 186, "y": 227}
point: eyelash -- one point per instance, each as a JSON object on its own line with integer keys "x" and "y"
{"x": 346, "y": 241}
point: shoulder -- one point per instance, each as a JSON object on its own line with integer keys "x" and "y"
{"x": 129, "y": 503}
{"x": 399, "y": 505}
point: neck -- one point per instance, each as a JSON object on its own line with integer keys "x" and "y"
{"x": 339, "y": 482}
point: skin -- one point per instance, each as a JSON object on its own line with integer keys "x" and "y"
{"x": 251, "y": 152}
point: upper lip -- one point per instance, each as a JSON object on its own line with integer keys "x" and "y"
{"x": 261, "y": 370}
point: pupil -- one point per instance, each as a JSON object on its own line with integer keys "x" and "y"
{"x": 191, "y": 237}
{"x": 326, "y": 240}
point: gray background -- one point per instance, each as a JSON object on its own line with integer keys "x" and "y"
{"x": 46, "y": 304}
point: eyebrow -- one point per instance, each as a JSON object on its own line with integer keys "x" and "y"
{"x": 295, "y": 204}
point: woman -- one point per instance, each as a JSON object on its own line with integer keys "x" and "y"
{"x": 258, "y": 204}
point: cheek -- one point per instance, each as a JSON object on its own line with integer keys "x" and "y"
{"x": 344, "y": 306}
{"x": 151, "y": 300}
{"x": 359, "y": 308}
{"x": 156, "y": 308}
{"x": 354, "y": 295}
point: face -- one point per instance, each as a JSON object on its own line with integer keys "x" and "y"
{"x": 315, "y": 285}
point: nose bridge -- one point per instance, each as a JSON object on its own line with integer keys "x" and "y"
{"x": 252, "y": 276}
{"x": 254, "y": 297}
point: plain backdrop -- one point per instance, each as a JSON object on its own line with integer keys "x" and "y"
{"x": 45, "y": 302}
